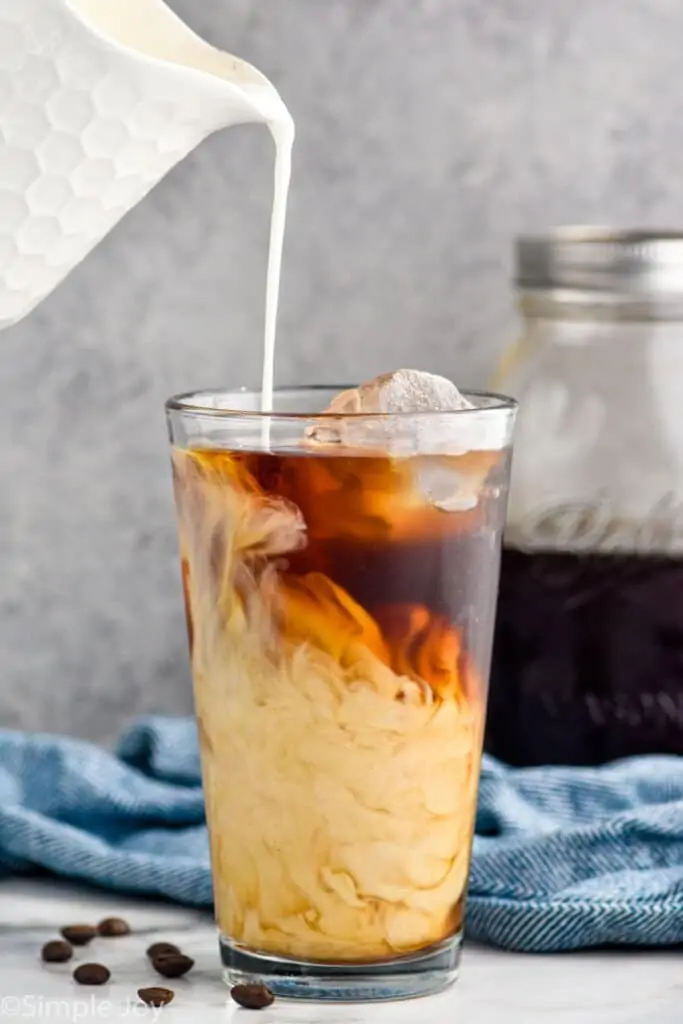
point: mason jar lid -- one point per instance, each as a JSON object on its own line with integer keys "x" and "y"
{"x": 643, "y": 265}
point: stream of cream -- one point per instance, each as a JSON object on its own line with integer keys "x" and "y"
{"x": 283, "y": 135}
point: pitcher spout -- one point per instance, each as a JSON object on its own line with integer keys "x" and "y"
{"x": 127, "y": 90}
{"x": 149, "y": 30}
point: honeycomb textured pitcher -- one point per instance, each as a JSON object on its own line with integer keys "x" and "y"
{"x": 99, "y": 99}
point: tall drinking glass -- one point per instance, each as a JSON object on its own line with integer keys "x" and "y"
{"x": 340, "y": 577}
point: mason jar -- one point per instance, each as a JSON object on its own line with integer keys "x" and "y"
{"x": 588, "y": 657}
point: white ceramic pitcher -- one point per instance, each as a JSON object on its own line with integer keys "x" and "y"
{"x": 99, "y": 99}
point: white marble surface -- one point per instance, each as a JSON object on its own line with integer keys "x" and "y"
{"x": 495, "y": 987}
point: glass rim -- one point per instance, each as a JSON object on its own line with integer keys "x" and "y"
{"x": 189, "y": 402}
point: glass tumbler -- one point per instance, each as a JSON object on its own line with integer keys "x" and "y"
{"x": 340, "y": 577}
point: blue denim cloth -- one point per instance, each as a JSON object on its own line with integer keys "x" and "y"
{"x": 564, "y": 857}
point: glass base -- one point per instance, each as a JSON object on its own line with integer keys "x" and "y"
{"x": 421, "y": 974}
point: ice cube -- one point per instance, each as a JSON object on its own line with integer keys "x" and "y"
{"x": 447, "y": 488}
{"x": 405, "y": 391}
{"x": 453, "y": 483}
{"x": 401, "y": 391}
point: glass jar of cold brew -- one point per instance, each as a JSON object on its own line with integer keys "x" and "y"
{"x": 588, "y": 661}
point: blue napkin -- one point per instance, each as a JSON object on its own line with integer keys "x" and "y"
{"x": 563, "y": 858}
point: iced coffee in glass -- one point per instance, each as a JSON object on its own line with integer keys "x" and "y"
{"x": 340, "y": 572}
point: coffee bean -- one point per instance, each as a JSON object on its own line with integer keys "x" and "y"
{"x": 79, "y": 934}
{"x": 92, "y": 974}
{"x": 252, "y": 996}
{"x": 161, "y": 949}
{"x": 156, "y": 996}
{"x": 56, "y": 952}
{"x": 112, "y": 927}
{"x": 172, "y": 965}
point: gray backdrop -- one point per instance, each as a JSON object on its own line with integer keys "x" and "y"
{"x": 430, "y": 132}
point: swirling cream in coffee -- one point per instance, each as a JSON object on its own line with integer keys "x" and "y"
{"x": 340, "y": 629}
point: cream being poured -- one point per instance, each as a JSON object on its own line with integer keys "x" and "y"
{"x": 282, "y": 131}
{"x": 149, "y": 28}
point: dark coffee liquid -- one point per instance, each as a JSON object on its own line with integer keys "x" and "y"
{"x": 372, "y": 536}
{"x": 588, "y": 658}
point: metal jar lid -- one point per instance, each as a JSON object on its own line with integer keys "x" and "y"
{"x": 643, "y": 265}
